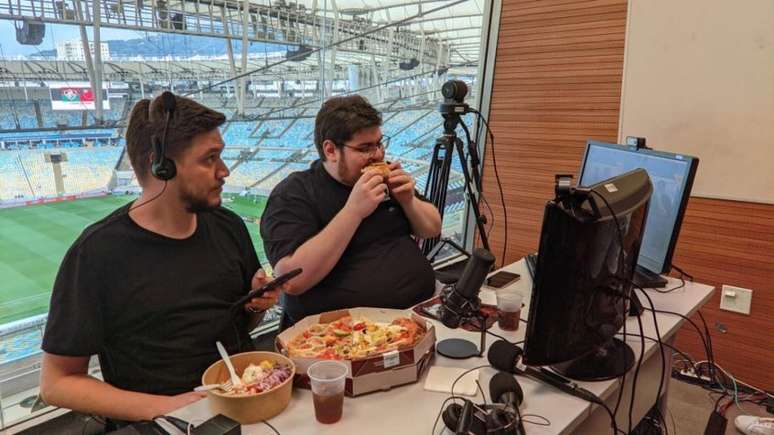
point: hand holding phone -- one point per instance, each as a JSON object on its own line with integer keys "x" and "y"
{"x": 271, "y": 285}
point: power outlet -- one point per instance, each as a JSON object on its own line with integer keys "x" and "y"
{"x": 736, "y": 299}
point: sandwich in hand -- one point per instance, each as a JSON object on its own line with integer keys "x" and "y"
{"x": 380, "y": 167}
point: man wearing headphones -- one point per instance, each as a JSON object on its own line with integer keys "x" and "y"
{"x": 152, "y": 287}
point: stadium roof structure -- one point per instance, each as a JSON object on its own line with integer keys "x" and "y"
{"x": 398, "y": 29}
{"x": 389, "y": 40}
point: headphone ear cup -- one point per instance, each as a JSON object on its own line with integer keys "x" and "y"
{"x": 162, "y": 168}
{"x": 451, "y": 415}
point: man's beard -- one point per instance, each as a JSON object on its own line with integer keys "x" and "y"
{"x": 347, "y": 173}
{"x": 197, "y": 204}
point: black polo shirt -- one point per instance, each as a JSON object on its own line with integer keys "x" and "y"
{"x": 149, "y": 306}
{"x": 381, "y": 267}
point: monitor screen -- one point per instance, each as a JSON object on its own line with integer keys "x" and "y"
{"x": 589, "y": 246}
{"x": 671, "y": 176}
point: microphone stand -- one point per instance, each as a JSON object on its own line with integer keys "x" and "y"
{"x": 459, "y": 348}
{"x": 440, "y": 169}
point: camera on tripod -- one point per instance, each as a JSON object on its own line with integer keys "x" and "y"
{"x": 454, "y": 92}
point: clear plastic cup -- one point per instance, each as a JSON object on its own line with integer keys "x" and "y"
{"x": 327, "y": 379}
{"x": 509, "y": 310}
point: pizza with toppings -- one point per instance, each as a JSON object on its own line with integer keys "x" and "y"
{"x": 348, "y": 338}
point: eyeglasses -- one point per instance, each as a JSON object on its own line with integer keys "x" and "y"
{"x": 370, "y": 148}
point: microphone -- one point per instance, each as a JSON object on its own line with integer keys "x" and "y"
{"x": 462, "y": 301}
{"x": 504, "y": 389}
{"x": 505, "y": 356}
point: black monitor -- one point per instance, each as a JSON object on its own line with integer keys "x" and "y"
{"x": 583, "y": 278}
{"x": 672, "y": 177}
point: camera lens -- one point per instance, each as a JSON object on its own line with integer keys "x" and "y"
{"x": 454, "y": 90}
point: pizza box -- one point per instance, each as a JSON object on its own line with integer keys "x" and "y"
{"x": 373, "y": 373}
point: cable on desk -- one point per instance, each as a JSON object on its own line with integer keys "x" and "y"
{"x": 546, "y": 422}
{"x": 453, "y": 396}
{"x": 270, "y": 426}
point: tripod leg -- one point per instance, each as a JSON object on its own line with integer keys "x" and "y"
{"x": 474, "y": 198}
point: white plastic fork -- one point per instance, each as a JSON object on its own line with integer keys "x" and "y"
{"x": 235, "y": 380}
{"x": 226, "y": 387}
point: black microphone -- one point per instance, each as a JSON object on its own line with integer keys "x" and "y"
{"x": 462, "y": 301}
{"x": 504, "y": 389}
{"x": 505, "y": 356}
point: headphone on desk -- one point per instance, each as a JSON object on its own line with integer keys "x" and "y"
{"x": 497, "y": 418}
{"x": 163, "y": 167}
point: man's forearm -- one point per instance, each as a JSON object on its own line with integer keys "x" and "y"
{"x": 318, "y": 255}
{"x": 92, "y": 396}
{"x": 424, "y": 219}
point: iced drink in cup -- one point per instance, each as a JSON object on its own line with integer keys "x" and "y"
{"x": 508, "y": 310}
{"x": 327, "y": 379}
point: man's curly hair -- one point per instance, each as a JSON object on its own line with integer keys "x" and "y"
{"x": 340, "y": 118}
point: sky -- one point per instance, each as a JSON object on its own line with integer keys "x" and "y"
{"x": 54, "y": 32}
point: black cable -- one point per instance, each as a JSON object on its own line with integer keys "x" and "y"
{"x": 677, "y": 287}
{"x": 683, "y": 354}
{"x": 272, "y": 427}
{"x": 481, "y": 390}
{"x": 711, "y": 358}
{"x": 135, "y": 207}
{"x": 639, "y": 322}
{"x": 547, "y": 421}
{"x": 661, "y": 350}
{"x": 499, "y": 184}
{"x": 689, "y": 320}
{"x": 623, "y": 381}
{"x": 636, "y": 372}
{"x": 438, "y": 417}
{"x": 682, "y": 272}
{"x": 453, "y": 397}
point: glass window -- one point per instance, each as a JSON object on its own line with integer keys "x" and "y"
{"x": 62, "y": 160}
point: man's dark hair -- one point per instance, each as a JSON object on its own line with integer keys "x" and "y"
{"x": 147, "y": 120}
{"x": 340, "y": 118}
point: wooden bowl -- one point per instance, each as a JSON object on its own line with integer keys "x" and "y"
{"x": 251, "y": 408}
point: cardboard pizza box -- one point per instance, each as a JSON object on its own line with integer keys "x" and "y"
{"x": 374, "y": 373}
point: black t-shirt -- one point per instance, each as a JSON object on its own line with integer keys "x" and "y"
{"x": 149, "y": 306}
{"x": 381, "y": 267}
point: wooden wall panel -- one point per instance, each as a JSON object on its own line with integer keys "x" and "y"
{"x": 557, "y": 83}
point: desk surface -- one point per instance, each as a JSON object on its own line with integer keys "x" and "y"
{"x": 410, "y": 409}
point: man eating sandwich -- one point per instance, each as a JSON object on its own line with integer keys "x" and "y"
{"x": 356, "y": 247}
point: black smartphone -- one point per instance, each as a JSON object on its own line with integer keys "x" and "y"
{"x": 502, "y": 279}
{"x": 276, "y": 282}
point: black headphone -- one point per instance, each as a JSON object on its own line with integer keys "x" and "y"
{"x": 162, "y": 167}
{"x": 487, "y": 419}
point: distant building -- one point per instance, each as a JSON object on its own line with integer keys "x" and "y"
{"x": 73, "y": 50}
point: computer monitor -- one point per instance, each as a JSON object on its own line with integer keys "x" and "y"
{"x": 672, "y": 177}
{"x": 583, "y": 278}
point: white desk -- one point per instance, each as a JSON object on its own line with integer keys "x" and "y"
{"x": 412, "y": 410}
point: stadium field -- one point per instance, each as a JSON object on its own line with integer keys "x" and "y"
{"x": 34, "y": 239}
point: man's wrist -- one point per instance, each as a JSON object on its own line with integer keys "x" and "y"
{"x": 349, "y": 213}
{"x": 409, "y": 203}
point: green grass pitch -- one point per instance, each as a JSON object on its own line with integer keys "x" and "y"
{"x": 34, "y": 239}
